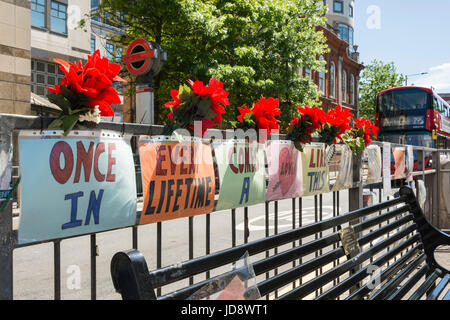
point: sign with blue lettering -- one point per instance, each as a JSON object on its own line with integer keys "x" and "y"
{"x": 241, "y": 173}
{"x": 79, "y": 184}
{"x": 315, "y": 170}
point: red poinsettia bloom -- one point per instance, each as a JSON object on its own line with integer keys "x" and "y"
{"x": 243, "y": 111}
{"x": 370, "y": 130}
{"x": 265, "y": 111}
{"x": 340, "y": 118}
{"x": 94, "y": 79}
{"x": 215, "y": 92}
{"x": 315, "y": 115}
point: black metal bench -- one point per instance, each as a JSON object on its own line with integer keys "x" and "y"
{"x": 393, "y": 235}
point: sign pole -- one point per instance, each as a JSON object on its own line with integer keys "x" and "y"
{"x": 144, "y": 59}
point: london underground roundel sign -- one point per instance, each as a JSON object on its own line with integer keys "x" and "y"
{"x": 138, "y": 58}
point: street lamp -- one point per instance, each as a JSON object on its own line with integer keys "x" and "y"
{"x": 416, "y": 74}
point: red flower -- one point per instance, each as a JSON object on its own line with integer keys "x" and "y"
{"x": 315, "y": 115}
{"x": 264, "y": 113}
{"x": 94, "y": 80}
{"x": 340, "y": 118}
{"x": 243, "y": 111}
{"x": 214, "y": 91}
{"x": 370, "y": 130}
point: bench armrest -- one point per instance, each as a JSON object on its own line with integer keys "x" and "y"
{"x": 130, "y": 276}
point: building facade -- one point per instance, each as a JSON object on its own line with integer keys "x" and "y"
{"x": 339, "y": 83}
{"x": 15, "y": 56}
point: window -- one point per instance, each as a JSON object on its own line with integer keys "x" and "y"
{"x": 109, "y": 50}
{"x": 92, "y": 45}
{"x": 352, "y": 90}
{"x": 322, "y": 79}
{"x": 44, "y": 74}
{"x": 38, "y": 13}
{"x": 350, "y": 11}
{"x": 307, "y": 72}
{"x": 338, "y": 7}
{"x": 58, "y": 17}
{"x": 344, "y": 85}
{"x": 345, "y": 33}
{"x": 94, "y": 4}
{"x": 332, "y": 86}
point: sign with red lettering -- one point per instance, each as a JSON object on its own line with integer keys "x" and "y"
{"x": 177, "y": 179}
{"x": 285, "y": 170}
{"x": 241, "y": 173}
{"x": 79, "y": 184}
{"x": 315, "y": 169}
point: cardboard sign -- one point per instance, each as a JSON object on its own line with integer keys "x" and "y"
{"x": 400, "y": 162}
{"x": 340, "y": 166}
{"x": 79, "y": 184}
{"x": 315, "y": 170}
{"x": 285, "y": 171}
{"x": 177, "y": 178}
{"x": 241, "y": 174}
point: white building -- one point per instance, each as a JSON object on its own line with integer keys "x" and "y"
{"x": 56, "y": 33}
{"x": 340, "y": 16}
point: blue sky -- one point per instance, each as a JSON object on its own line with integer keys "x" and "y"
{"x": 414, "y": 34}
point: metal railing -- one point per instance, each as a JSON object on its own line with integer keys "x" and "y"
{"x": 161, "y": 242}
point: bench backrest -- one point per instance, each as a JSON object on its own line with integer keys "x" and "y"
{"x": 394, "y": 229}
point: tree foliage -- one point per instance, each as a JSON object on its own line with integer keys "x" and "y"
{"x": 376, "y": 77}
{"x": 252, "y": 46}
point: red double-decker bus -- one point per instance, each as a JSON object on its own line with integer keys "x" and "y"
{"x": 413, "y": 116}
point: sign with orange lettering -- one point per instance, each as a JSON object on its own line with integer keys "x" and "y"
{"x": 177, "y": 179}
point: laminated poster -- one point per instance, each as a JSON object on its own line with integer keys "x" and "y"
{"x": 177, "y": 178}
{"x": 315, "y": 169}
{"x": 241, "y": 173}
{"x": 74, "y": 185}
{"x": 399, "y": 162}
{"x": 387, "y": 169}
{"x": 285, "y": 171}
{"x": 373, "y": 153}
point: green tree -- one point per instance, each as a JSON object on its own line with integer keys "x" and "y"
{"x": 252, "y": 46}
{"x": 377, "y": 76}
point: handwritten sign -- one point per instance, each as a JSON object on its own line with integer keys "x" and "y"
{"x": 315, "y": 170}
{"x": 178, "y": 179}
{"x": 241, "y": 174}
{"x": 285, "y": 171}
{"x": 75, "y": 185}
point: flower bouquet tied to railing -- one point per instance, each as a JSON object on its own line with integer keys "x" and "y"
{"x": 301, "y": 129}
{"x": 196, "y": 102}
{"x": 260, "y": 116}
{"x": 360, "y": 135}
{"x": 86, "y": 92}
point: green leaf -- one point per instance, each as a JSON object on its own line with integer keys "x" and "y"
{"x": 69, "y": 122}
{"x": 204, "y": 109}
{"x": 60, "y": 101}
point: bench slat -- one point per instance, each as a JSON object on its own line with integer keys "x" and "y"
{"x": 399, "y": 294}
{"x": 398, "y": 278}
{"x": 195, "y": 266}
{"x": 439, "y": 288}
{"x": 328, "y": 276}
{"x": 426, "y": 285}
{"x": 363, "y": 273}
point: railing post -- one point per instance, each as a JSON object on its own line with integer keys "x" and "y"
{"x": 7, "y": 239}
{"x": 355, "y": 194}
{"x": 355, "y": 198}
